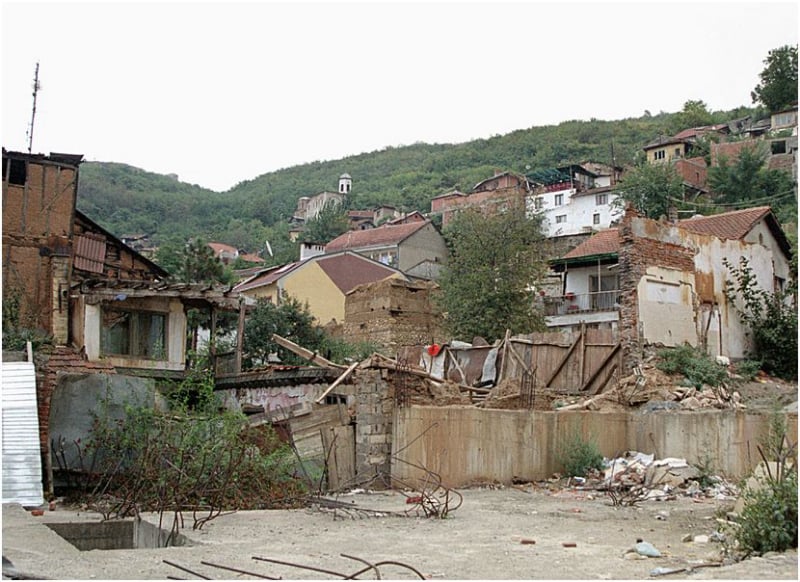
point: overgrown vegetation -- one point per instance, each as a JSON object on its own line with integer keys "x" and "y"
{"x": 770, "y": 316}
{"x": 195, "y": 458}
{"x": 19, "y": 329}
{"x": 768, "y": 522}
{"x": 695, "y": 365}
{"x": 578, "y": 455}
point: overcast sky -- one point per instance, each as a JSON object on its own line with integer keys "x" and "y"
{"x": 219, "y": 93}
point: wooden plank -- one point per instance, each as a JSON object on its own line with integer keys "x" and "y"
{"x": 304, "y": 353}
{"x": 601, "y": 367}
{"x": 518, "y": 358}
{"x": 563, "y": 361}
{"x": 458, "y": 367}
{"x": 340, "y": 455}
{"x": 338, "y": 381}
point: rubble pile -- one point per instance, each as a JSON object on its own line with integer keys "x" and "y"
{"x": 657, "y": 479}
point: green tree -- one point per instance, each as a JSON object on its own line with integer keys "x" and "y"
{"x": 199, "y": 265}
{"x": 291, "y": 319}
{"x": 747, "y": 179}
{"x": 693, "y": 114}
{"x": 328, "y": 224}
{"x": 494, "y": 263}
{"x": 651, "y": 188}
{"x": 778, "y": 87}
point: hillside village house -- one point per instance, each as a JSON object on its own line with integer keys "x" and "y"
{"x": 402, "y": 245}
{"x": 662, "y": 283}
{"x": 108, "y": 309}
{"x": 576, "y": 200}
{"x": 320, "y": 281}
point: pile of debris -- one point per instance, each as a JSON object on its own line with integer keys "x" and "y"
{"x": 635, "y": 477}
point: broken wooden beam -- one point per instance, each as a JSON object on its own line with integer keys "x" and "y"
{"x": 304, "y": 353}
{"x": 338, "y": 381}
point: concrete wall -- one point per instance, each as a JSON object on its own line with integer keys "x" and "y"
{"x": 426, "y": 243}
{"x": 467, "y": 444}
{"x": 77, "y": 397}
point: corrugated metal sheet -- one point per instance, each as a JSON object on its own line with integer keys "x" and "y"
{"x": 90, "y": 252}
{"x": 22, "y": 465}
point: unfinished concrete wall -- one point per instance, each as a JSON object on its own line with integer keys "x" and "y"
{"x": 392, "y": 314}
{"x": 374, "y": 423}
{"x": 466, "y": 444}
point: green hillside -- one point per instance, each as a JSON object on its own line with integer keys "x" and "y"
{"x": 125, "y": 199}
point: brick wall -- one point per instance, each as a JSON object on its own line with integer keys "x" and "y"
{"x": 636, "y": 254}
{"x": 49, "y": 368}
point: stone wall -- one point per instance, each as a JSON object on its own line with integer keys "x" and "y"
{"x": 392, "y": 314}
{"x": 374, "y": 425}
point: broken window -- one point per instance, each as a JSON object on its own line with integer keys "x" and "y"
{"x": 778, "y": 147}
{"x": 141, "y": 334}
{"x": 16, "y": 171}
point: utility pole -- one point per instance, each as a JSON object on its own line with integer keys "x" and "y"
{"x": 36, "y": 87}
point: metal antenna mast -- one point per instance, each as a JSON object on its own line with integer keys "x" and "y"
{"x": 36, "y": 87}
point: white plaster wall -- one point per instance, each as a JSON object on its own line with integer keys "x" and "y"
{"x": 666, "y": 307}
{"x": 580, "y": 211}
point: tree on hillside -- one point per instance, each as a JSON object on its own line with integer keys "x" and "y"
{"x": 494, "y": 262}
{"x": 778, "y": 87}
{"x": 748, "y": 181}
{"x": 328, "y": 224}
{"x": 192, "y": 262}
{"x": 693, "y": 114}
{"x": 651, "y": 189}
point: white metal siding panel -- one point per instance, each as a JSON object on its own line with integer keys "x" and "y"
{"x": 22, "y": 465}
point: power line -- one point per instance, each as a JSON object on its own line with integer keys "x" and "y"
{"x": 743, "y": 204}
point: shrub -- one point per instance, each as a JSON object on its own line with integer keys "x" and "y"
{"x": 696, "y": 366}
{"x": 578, "y": 455}
{"x": 748, "y": 369}
{"x": 768, "y": 522}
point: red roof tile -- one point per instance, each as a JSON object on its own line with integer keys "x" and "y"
{"x": 602, "y": 243}
{"x": 730, "y": 225}
{"x": 387, "y": 234}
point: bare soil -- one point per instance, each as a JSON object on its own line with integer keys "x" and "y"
{"x": 516, "y": 532}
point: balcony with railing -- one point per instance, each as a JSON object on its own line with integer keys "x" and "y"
{"x": 573, "y": 304}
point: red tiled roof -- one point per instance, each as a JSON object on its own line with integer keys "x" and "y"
{"x": 387, "y": 234}
{"x": 730, "y": 225}
{"x": 219, "y": 248}
{"x": 251, "y": 258}
{"x": 347, "y": 271}
{"x": 602, "y": 243}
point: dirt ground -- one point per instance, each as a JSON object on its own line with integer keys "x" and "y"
{"x": 515, "y": 532}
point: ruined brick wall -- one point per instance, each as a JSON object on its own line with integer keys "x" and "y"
{"x": 638, "y": 252}
{"x": 37, "y": 226}
{"x": 392, "y": 314}
{"x": 49, "y": 368}
{"x": 374, "y": 419}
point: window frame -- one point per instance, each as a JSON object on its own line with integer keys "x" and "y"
{"x": 133, "y": 345}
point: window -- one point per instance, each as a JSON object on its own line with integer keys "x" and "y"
{"x": 596, "y": 218}
{"x": 778, "y": 147}
{"x": 677, "y": 152}
{"x": 141, "y": 334}
{"x": 16, "y": 171}
{"x": 559, "y": 199}
{"x": 537, "y": 203}
{"x": 659, "y": 155}
{"x": 601, "y": 199}
{"x": 561, "y": 219}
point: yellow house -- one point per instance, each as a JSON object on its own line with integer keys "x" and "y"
{"x": 320, "y": 281}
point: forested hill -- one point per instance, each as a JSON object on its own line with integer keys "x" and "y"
{"x": 124, "y": 199}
